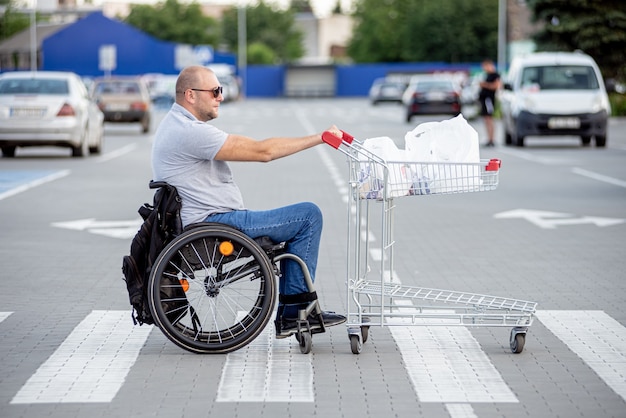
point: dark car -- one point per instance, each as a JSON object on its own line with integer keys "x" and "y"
{"x": 431, "y": 95}
{"x": 124, "y": 100}
{"x": 385, "y": 90}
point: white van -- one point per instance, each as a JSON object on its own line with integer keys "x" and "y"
{"x": 554, "y": 93}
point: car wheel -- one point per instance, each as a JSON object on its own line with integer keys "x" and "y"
{"x": 97, "y": 149}
{"x": 82, "y": 149}
{"x": 517, "y": 138}
{"x": 508, "y": 140}
{"x": 601, "y": 141}
{"x": 145, "y": 124}
{"x": 8, "y": 151}
{"x": 586, "y": 140}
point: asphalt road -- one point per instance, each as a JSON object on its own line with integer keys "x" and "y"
{"x": 553, "y": 233}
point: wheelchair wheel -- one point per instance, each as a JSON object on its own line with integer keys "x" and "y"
{"x": 212, "y": 289}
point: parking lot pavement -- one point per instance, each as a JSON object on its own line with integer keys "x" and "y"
{"x": 69, "y": 348}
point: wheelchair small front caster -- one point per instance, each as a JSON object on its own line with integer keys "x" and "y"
{"x": 305, "y": 341}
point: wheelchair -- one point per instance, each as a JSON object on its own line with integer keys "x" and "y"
{"x": 213, "y": 289}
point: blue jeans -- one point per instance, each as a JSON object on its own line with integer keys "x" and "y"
{"x": 299, "y": 225}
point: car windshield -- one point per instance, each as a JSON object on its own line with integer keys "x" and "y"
{"x": 560, "y": 77}
{"x": 34, "y": 86}
{"x": 434, "y": 86}
{"x": 117, "y": 87}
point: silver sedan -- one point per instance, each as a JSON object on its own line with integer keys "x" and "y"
{"x": 45, "y": 108}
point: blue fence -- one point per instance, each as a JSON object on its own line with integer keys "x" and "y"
{"x": 350, "y": 80}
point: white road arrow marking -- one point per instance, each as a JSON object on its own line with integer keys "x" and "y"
{"x": 113, "y": 229}
{"x": 550, "y": 220}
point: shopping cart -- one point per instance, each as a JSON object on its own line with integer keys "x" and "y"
{"x": 382, "y": 301}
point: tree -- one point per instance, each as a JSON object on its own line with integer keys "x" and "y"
{"x": 597, "y": 27}
{"x": 379, "y": 30}
{"x": 424, "y": 30}
{"x": 13, "y": 21}
{"x": 268, "y": 26}
{"x": 175, "y": 22}
{"x": 301, "y": 6}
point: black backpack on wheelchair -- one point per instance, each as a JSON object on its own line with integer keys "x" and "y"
{"x": 161, "y": 225}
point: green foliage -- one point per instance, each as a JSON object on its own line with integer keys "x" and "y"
{"x": 261, "y": 54}
{"x": 266, "y": 25}
{"x": 424, "y": 30}
{"x": 301, "y": 6}
{"x": 618, "y": 104}
{"x": 597, "y": 27}
{"x": 175, "y": 22}
{"x": 13, "y": 21}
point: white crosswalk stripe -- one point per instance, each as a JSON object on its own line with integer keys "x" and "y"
{"x": 90, "y": 365}
{"x": 445, "y": 364}
{"x": 267, "y": 370}
{"x": 596, "y": 338}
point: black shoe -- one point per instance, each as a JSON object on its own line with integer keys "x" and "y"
{"x": 285, "y": 327}
{"x": 490, "y": 144}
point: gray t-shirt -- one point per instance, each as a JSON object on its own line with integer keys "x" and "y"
{"x": 183, "y": 155}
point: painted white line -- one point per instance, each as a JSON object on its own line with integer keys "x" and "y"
{"x": 460, "y": 410}
{"x": 23, "y": 187}
{"x": 267, "y": 370}
{"x": 4, "y": 315}
{"x": 90, "y": 365}
{"x": 115, "y": 154}
{"x": 114, "y": 229}
{"x": 599, "y": 177}
{"x": 598, "y": 339}
{"x": 446, "y": 364}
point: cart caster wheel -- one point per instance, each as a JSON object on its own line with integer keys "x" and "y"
{"x": 517, "y": 342}
{"x": 305, "y": 341}
{"x": 355, "y": 344}
{"x": 365, "y": 331}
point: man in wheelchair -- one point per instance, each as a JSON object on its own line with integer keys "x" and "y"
{"x": 192, "y": 155}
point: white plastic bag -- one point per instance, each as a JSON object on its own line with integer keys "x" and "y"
{"x": 444, "y": 147}
{"x": 372, "y": 175}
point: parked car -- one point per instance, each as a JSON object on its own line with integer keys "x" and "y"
{"x": 162, "y": 90}
{"x": 123, "y": 100}
{"x": 554, "y": 93}
{"x": 45, "y": 108}
{"x": 386, "y": 90}
{"x": 432, "y": 95}
{"x": 470, "y": 91}
{"x": 230, "y": 87}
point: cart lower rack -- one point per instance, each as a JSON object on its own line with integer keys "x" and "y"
{"x": 379, "y": 301}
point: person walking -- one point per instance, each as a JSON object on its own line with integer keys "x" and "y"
{"x": 487, "y": 97}
{"x": 192, "y": 155}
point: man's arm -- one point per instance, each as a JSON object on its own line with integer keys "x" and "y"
{"x": 243, "y": 148}
{"x": 493, "y": 85}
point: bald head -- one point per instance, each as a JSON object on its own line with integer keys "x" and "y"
{"x": 189, "y": 78}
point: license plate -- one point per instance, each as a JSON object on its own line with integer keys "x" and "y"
{"x": 564, "y": 123}
{"x": 436, "y": 96}
{"x": 117, "y": 107}
{"x": 27, "y": 112}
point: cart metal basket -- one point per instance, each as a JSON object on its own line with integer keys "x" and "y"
{"x": 381, "y": 301}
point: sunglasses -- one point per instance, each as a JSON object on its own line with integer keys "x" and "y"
{"x": 216, "y": 91}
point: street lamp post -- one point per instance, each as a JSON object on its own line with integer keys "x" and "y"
{"x": 502, "y": 36}
{"x": 242, "y": 43}
{"x": 33, "y": 37}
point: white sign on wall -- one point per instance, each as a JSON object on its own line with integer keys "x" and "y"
{"x": 107, "y": 57}
{"x": 186, "y": 55}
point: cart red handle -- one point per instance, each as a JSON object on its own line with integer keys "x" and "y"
{"x": 493, "y": 165}
{"x": 334, "y": 141}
